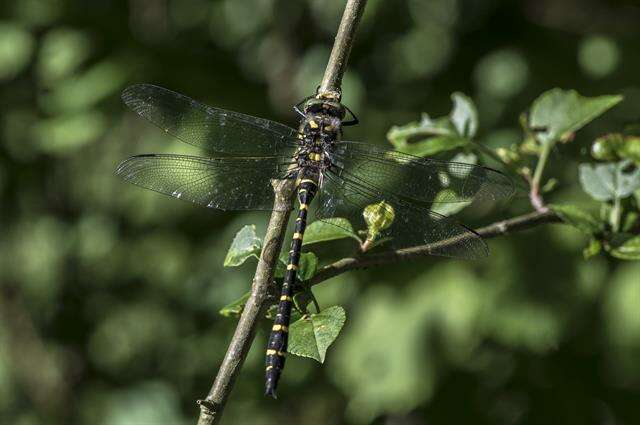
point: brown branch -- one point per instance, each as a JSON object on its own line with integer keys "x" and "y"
{"x": 496, "y": 229}
{"x": 337, "y": 65}
{"x": 212, "y": 406}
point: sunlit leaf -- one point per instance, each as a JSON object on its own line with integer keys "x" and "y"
{"x": 557, "y": 113}
{"x": 62, "y": 51}
{"x": 67, "y": 133}
{"x": 605, "y": 182}
{"x": 85, "y": 90}
{"x": 312, "y": 335}
{"x": 577, "y": 217}
{"x": 441, "y": 206}
{"x": 328, "y": 230}
{"x": 464, "y": 115}
{"x": 626, "y": 247}
{"x": 245, "y": 244}
{"x": 16, "y": 48}
{"x": 431, "y": 136}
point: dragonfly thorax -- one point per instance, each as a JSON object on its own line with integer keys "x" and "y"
{"x": 318, "y": 133}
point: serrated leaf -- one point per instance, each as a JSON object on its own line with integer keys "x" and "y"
{"x": 626, "y": 247}
{"x": 578, "y": 218}
{"x": 557, "y": 113}
{"x": 245, "y": 244}
{"x": 464, "y": 115}
{"x": 605, "y": 182}
{"x": 234, "y": 309}
{"x": 329, "y": 229}
{"x": 312, "y": 335}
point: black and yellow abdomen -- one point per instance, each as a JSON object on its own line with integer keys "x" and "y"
{"x": 277, "y": 346}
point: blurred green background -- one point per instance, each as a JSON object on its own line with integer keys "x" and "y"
{"x": 109, "y": 293}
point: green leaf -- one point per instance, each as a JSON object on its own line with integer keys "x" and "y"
{"x": 464, "y": 115}
{"x": 605, "y": 182}
{"x": 234, "y": 309}
{"x": 442, "y": 203}
{"x": 328, "y": 230}
{"x": 592, "y": 249}
{"x": 613, "y": 147}
{"x": 17, "y": 45}
{"x": 559, "y": 113}
{"x": 431, "y": 136}
{"x": 281, "y": 265}
{"x": 578, "y": 218}
{"x": 245, "y": 244}
{"x": 307, "y": 265}
{"x": 441, "y": 206}
{"x": 312, "y": 335}
{"x": 69, "y": 133}
{"x": 630, "y": 221}
{"x": 627, "y": 247}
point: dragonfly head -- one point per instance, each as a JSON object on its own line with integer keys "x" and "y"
{"x": 324, "y": 106}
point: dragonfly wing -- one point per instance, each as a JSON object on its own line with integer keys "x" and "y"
{"x": 215, "y": 130}
{"x": 413, "y": 225}
{"x": 221, "y": 183}
{"x": 424, "y": 179}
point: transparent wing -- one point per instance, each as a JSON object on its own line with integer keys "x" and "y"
{"x": 423, "y": 179}
{"x": 221, "y": 183}
{"x": 412, "y": 225}
{"x": 215, "y": 130}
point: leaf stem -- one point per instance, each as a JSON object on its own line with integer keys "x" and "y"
{"x": 534, "y": 195}
{"x": 614, "y": 218}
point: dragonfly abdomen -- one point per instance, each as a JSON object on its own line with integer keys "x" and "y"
{"x": 277, "y": 346}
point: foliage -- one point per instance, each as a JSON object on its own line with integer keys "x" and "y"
{"x": 109, "y": 295}
{"x": 557, "y": 113}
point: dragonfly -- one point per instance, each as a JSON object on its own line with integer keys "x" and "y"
{"x": 358, "y": 183}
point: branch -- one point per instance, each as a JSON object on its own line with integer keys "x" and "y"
{"x": 332, "y": 80}
{"x": 212, "y": 406}
{"x": 496, "y": 229}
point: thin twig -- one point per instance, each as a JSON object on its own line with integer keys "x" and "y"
{"x": 212, "y": 406}
{"x": 534, "y": 195}
{"x": 496, "y": 229}
{"x": 337, "y": 64}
